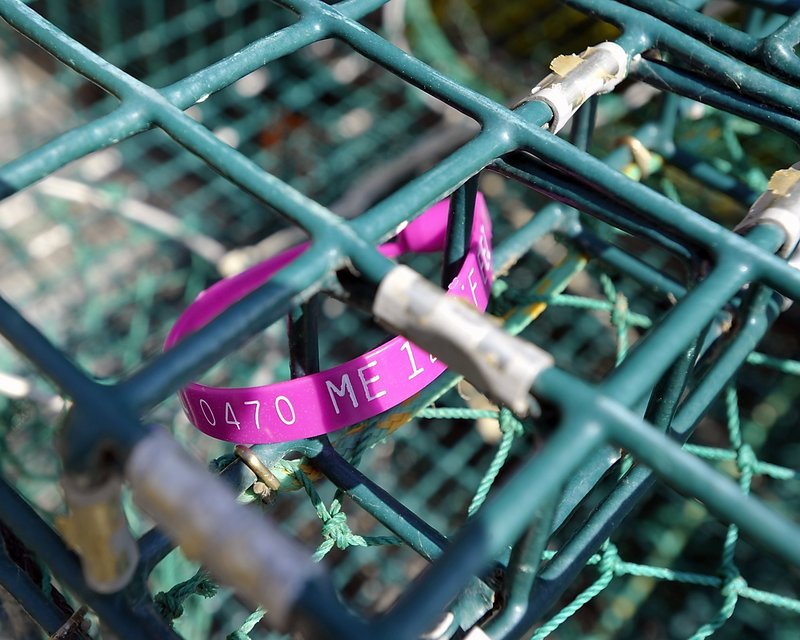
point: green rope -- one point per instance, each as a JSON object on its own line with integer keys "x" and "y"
{"x": 591, "y": 304}
{"x": 243, "y": 632}
{"x": 335, "y": 530}
{"x": 619, "y": 315}
{"x": 607, "y": 568}
{"x": 510, "y": 427}
{"x": 170, "y": 603}
{"x": 668, "y": 575}
{"x": 792, "y": 367}
{"x": 773, "y": 599}
{"x": 456, "y": 413}
{"x": 733, "y": 582}
{"x": 723, "y": 615}
{"x": 759, "y": 467}
{"x": 515, "y": 299}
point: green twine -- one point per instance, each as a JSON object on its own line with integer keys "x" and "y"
{"x": 668, "y": 575}
{"x": 723, "y": 615}
{"x": 619, "y": 315}
{"x": 745, "y": 462}
{"x": 607, "y": 568}
{"x": 456, "y": 413}
{"x": 510, "y": 427}
{"x": 591, "y": 304}
{"x": 731, "y": 584}
{"x": 335, "y": 530}
{"x": 792, "y": 367}
{"x": 243, "y": 632}
{"x": 759, "y": 467}
{"x": 170, "y": 603}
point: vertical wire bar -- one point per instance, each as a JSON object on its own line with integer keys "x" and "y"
{"x": 583, "y": 124}
{"x": 459, "y": 226}
{"x": 668, "y": 390}
{"x": 523, "y": 567}
{"x": 304, "y": 338}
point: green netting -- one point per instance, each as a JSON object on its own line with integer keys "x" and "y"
{"x": 104, "y": 253}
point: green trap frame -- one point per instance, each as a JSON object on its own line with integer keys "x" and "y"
{"x": 643, "y": 309}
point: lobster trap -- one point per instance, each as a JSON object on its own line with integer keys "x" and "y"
{"x": 611, "y": 451}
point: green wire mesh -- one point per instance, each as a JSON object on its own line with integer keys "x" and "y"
{"x": 104, "y": 253}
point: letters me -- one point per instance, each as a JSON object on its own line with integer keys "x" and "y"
{"x": 345, "y": 387}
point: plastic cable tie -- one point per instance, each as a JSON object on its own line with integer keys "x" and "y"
{"x": 347, "y": 394}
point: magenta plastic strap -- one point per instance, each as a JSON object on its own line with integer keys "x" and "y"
{"x": 351, "y": 392}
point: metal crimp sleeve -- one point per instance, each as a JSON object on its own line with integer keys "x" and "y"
{"x": 238, "y": 545}
{"x": 578, "y": 77}
{"x": 500, "y": 365}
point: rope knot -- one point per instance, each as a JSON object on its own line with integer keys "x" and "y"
{"x": 620, "y": 311}
{"x": 610, "y": 560}
{"x": 509, "y": 423}
{"x": 336, "y": 531}
{"x": 734, "y": 584}
{"x": 170, "y": 603}
{"x": 746, "y": 458}
{"x": 168, "y": 606}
